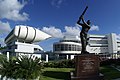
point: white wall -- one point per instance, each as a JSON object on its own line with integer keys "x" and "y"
{"x": 112, "y": 43}
{"x": 26, "y": 48}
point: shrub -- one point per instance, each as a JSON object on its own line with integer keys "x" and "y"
{"x": 60, "y": 64}
{"x": 110, "y": 62}
{"x": 22, "y": 67}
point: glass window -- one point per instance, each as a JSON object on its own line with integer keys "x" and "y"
{"x": 35, "y": 49}
{"x": 9, "y": 34}
{"x": 62, "y": 47}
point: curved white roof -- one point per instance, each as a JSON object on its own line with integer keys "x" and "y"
{"x": 27, "y": 34}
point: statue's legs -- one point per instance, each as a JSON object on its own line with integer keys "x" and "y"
{"x": 83, "y": 42}
{"x": 87, "y": 41}
{"x": 83, "y": 47}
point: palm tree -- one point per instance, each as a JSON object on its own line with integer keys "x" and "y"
{"x": 7, "y": 67}
{"x": 23, "y": 67}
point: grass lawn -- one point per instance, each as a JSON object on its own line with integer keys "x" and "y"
{"x": 64, "y": 73}
{"x": 56, "y": 73}
{"x": 109, "y": 73}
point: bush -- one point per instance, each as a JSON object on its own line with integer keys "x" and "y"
{"x": 60, "y": 64}
{"x": 22, "y": 67}
{"x": 2, "y": 57}
{"x": 110, "y": 62}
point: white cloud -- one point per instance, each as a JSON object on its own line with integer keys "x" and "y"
{"x": 55, "y": 32}
{"x": 4, "y": 27}
{"x": 94, "y": 28}
{"x": 4, "y": 30}
{"x": 10, "y": 9}
{"x": 57, "y": 3}
{"x": 69, "y": 30}
{"x": 72, "y": 30}
{"x": 2, "y": 42}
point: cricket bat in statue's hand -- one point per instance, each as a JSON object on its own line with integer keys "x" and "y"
{"x": 83, "y": 13}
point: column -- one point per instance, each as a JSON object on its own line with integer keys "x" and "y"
{"x": 40, "y": 57}
{"x": 71, "y": 56}
{"x": 8, "y": 55}
{"x": 46, "y": 57}
{"x": 67, "y": 57}
{"x": 57, "y": 55}
{"x": 116, "y": 55}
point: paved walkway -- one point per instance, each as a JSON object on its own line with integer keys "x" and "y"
{"x": 115, "y": 68}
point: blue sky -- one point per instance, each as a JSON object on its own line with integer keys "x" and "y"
{"x": 59, "y": 17}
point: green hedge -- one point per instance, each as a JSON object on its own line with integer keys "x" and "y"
{"x": 60, "y": 64}
{"x": 71, "y": 63}
{"x": 110, "y": 62}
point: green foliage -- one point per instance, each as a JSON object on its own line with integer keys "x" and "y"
{"x": 60, "y": 64}
{"x": 2, "y": 57}
{"x": 109, "y": 73}
{"x": 22, "y": 67}
{"x": 2, "y": 47}
{"x": 110, "y": 62}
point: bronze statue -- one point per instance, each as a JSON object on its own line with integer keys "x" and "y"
{"x": 84, "y": 32}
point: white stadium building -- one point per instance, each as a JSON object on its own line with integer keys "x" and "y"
{"x": 107, "y": 46}
{"x": 22, "y": 38}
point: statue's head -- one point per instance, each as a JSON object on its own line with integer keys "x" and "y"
{"x": 88, "y": 22}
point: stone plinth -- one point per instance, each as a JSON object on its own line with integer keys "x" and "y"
{"x": 86, "y": 67}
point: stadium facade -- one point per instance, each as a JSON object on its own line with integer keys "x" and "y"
{"x": 107, "y": 46}
{"x": 21, "y": 41}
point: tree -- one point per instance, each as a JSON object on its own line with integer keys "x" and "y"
{"x": 22, "y": 67}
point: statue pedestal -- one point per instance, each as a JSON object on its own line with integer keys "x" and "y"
{"x": 86, "y": 67}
